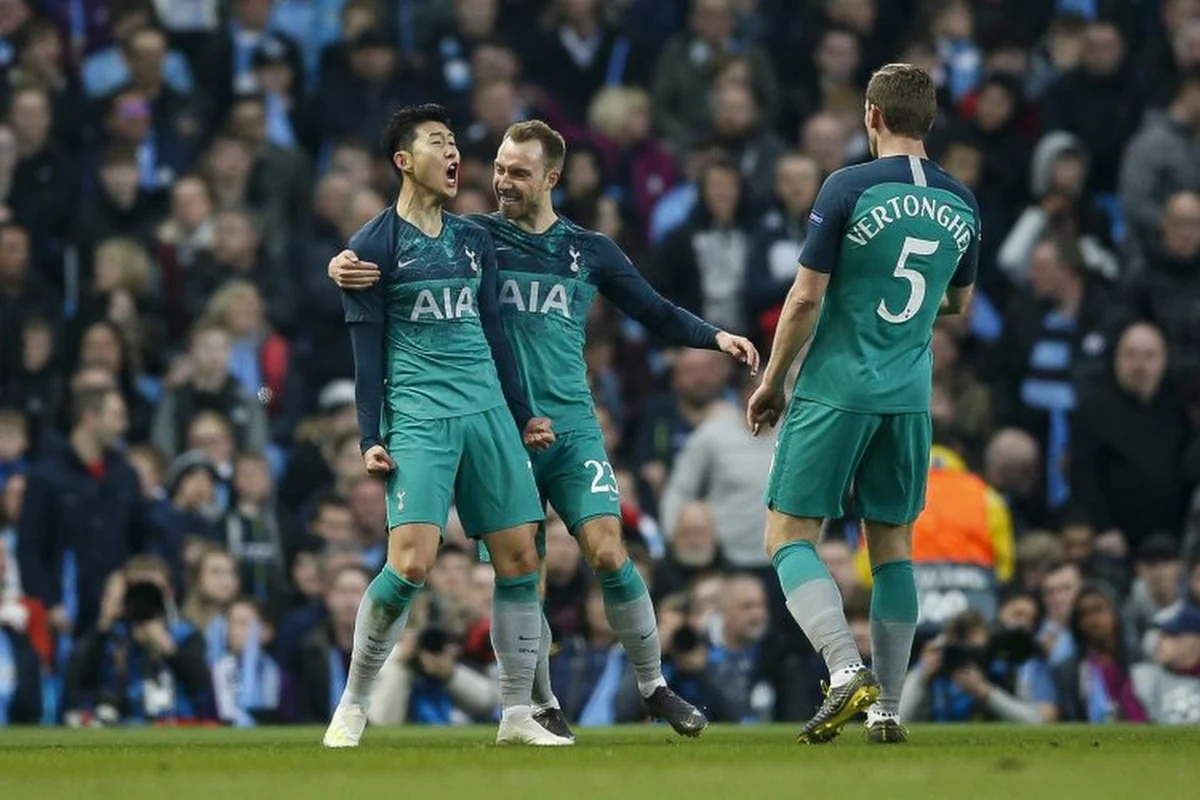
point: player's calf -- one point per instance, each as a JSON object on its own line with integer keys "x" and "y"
{"x": 631, "y": 615}
{"x": 517, "y": 633}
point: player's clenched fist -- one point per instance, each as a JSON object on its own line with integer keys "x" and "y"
{"x": 765, "y": 407}
{"x": 348, "y": 272}
{"x": 538, "y": 434}
{"x": 378, "y": 461}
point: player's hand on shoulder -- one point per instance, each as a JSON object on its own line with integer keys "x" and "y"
{"x": 740, "y": 348}
{"x": 377, "y": 461}
{"x": 349, "y": 272}
{"x": 538, "y": 434}
{"x": 765, "y": 407}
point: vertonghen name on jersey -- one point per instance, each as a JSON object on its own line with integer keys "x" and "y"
{"x": 910, "y": 206}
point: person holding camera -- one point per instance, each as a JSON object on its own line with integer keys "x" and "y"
{"x": 423, "y": 683}
{"x": 140, "y": 664}
{"x": 971, "y": 674}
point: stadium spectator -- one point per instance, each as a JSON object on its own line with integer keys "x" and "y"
{"x": 208, "y": 385}
{"x": 1101, "y": 101}
{"x": 619, "y": 117}
{"x": 1037, "y": 553}
{"x": 686, "y": 66}
{"x": 960, "y": 400}
{"x": 1128, "y": 445}
{"x": 1096, "y": 685}
{"x": 777, "y": 240}
{"x": 726, "y": 468}
{"x": 1170, "y": 283}
{"x": 44, "y": 183}
{"x": 1059, "y": 589}
{"x": 106, "y": 69}
{"x": 83, "y": 514}
{"x": 1160, "y": 161}
{"x": 1056, "y": 338}
{"x": 566, "y": 581}
{"x": 252, "y": 532}
{"x": 248, "y": 686}
{"x": 24, "y": 296}
{"x": 974, "y": 673}
{"x": 259, "y": 356}
{"x": 1169, "y": 687}
{"x": 325, "y": 653}
{"x": 740, "y": 132}
{"x": 823, "y": 138}
{"x": 1157, "y": 592}
{"x": 1059, "y": 174}
{"x": 1012, "y": 466}
{"x": 20, "y": 666}
{"x": 693, "y": 550}
{"x": 701, "y": 266}
{"x": 425, "y": 683}
{"x": 698, "y": 382}
{"x": 212, "y": 587}
{"x": 139, "y": 664}
{"x": 727, "y": 674}
{"x": 579, "y": 54}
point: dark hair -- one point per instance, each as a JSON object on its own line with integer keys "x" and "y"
{"x": 89, "y": 400}
{"x": 554, "y": 147}
{"x": 402, "y": 127}
{"x": 118, "y": 154}
{"x": 906, "y": 97}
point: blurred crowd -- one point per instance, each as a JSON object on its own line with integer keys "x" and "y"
{"x": 185, "y": 525}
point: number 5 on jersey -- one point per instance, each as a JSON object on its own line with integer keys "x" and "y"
{"x": 916, "y": 281}
{"x": 604, "y": 480}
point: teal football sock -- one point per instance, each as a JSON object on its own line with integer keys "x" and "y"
{"x": 381, "y": 617}
{"x": 893, "y": 626}
{"x": 630, "y": 614}
{"x": 816, "y": 604}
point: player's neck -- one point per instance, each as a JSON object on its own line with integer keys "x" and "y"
{"x": 889, "y": 145}
{"x": 539, "y": 222}
{"x": 422, "y": 210}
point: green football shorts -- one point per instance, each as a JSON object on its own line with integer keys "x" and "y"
{"x": 822, "y": 451}
{"x": 575, "y": 476}
{"x": 477, "y": 459}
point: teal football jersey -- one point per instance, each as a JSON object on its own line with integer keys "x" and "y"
{"x": 892, "y": 234}
{"x": 437, "y": 361}
{"x": 547, "y": 284}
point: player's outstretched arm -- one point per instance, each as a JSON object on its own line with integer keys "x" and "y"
{"x": 633, "y": 295}
{"x": 796, "y": 322}
{"x": 535, "y": 431}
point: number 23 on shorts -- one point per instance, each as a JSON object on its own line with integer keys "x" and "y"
{"x": 604, "y": 480}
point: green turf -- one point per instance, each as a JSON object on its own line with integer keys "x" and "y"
{"x": 615, "y": 764}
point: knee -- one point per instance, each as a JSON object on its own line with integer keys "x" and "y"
{"x": 412, "y": 569}
{"x": 515, "y": 558}
{"x": 607, "y": 555}
{"x": 524, "y": 559}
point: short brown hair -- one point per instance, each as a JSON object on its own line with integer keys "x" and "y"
{"x": 906, "y": 97}
{"x": 554, "y": 148}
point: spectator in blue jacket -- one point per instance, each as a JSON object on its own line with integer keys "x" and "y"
{"x": 83, "y": 515}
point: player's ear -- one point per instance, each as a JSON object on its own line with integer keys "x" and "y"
{"x": 403, "y": 160}
{"x": 552, "y": 178}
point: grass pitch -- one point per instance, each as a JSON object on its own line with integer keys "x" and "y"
{"x": 745, "y": 763}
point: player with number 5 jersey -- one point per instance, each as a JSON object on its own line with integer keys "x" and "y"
{"x": 891, "y": 244}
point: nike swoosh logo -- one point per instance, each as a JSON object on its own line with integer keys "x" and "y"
{"x": 647, "y": 635}
{"x": 404, "y": 264}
